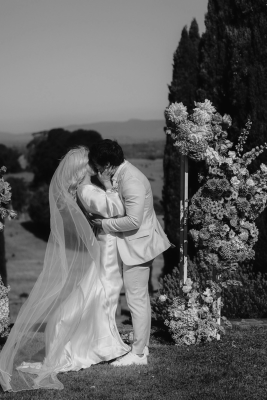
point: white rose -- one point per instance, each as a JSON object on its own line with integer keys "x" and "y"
{"x": 263, "y": 167}
{"x": 250, "y": 182}
{"x": 232, "y": 154}
{"x": 235, "y": 181}
{"x": 162, "y": 298}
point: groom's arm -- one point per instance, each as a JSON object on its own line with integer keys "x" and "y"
{"x": 133, "y": 194}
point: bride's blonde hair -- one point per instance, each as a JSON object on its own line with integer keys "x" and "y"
{"x": 75, "y": 168}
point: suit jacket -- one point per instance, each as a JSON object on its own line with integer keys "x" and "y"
{"x": 140, "y": 237}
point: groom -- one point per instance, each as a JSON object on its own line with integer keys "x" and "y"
{"x": 140, "y": 239}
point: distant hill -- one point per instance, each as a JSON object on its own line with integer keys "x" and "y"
{"x": 15, "y": 139}
{"x": 132, "y": 131}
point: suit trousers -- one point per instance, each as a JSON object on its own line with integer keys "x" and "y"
{"x": 135, "y": 279}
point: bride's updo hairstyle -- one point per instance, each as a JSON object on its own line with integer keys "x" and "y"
{"x": 75, "y": 168}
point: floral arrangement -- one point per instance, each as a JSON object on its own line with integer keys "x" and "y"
{"x": 192, "y": 134}
{"x": 4, "y": 309}
{"x": 5, "y": 198}
{"x": 193, "y": 317}
{"x": 223, "y": 211}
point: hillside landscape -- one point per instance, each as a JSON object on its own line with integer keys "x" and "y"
{"x": 126, "y": 132}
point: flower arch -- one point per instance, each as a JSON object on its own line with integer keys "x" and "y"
{"x": 222, "y": 215}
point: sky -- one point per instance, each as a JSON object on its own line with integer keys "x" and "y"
{"x": 66, "y": 62}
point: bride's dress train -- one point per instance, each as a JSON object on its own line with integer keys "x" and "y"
{"x": 68, "y": 321}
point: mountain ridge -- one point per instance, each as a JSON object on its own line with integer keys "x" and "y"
{"x": 125, "y": 132}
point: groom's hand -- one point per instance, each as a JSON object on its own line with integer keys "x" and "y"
{"x": 97, "y": 222}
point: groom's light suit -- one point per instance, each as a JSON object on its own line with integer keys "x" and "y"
{"x": 140, "y": 239}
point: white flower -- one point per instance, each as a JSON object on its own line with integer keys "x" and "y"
{"x": 235, "y": 181}
{"x": 189, "y": 282}
{"x": 176, "y": 113}
{"x": 162, "y": 298}
{"x": 206, "y": 106}
{"x": 212, "y": 156}
{"x": 263, "y": 168}
{"x": 12, "y": 214}
{"x": 186, "y": 289}
{"x": 201, "y": 117}
{"x": 228, "y": 161}
{"x": 232, "y": 154}
{"x": 207, "y": 292}
{"x": 250, "y": 182}
{"x": 227, "y": 120}
{"x": 208, "y": 299}
{"x": 243, "y": 171}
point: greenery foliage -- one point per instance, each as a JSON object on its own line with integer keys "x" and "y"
{"x": 39, "y": 206}
{"x": 9, "y": 157}
{"x": 20, "y": 194}
{"x": 44, "y": 154}
{"x": 148, "y": 150}
{"x": 47, "y": 148}
{"x": 248, "y": 300}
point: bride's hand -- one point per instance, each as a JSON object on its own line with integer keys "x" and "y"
{"x": 105, "y": 177}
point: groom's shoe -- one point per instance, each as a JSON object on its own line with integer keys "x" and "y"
{"x": 130, "y": 359}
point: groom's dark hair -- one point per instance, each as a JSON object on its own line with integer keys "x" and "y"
{"x": 106, "y": 151}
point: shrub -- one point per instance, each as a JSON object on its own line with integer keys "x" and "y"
{"x": 39, "y": 206}
{"x": 248, "y": 300}
{"x": 169, "y": 286}
{"x": 10, "y": 158}
{"x": 20, "y": 193}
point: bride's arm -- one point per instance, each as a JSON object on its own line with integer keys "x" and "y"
{"x": 97, "y": 201}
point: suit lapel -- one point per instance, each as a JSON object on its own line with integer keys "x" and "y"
{"x": 120, "y": 178}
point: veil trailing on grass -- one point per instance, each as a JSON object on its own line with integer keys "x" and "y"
{"x": 71, "y": 265}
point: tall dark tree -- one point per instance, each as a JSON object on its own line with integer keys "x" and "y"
{"x": 233, "y": 63}
{"x": 47, "y": 148}
{"x": 233, "y": 75}
{"x": 182, "y": 89}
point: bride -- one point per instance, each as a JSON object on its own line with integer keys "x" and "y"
{"x": 68, "y": 321}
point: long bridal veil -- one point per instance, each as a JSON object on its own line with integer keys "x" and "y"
{"x": 71, "y": 261}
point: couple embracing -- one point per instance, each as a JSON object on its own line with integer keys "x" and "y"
{"x": 102, "y": 236}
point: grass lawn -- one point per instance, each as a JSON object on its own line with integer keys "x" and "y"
{"x": 233, "y": 368}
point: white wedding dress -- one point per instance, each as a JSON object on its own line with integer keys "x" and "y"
{"x": 68, "y": 321}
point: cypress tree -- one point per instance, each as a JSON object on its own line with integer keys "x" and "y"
{"x": 233, "y": 75}
{"x": 182, "y": 89}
